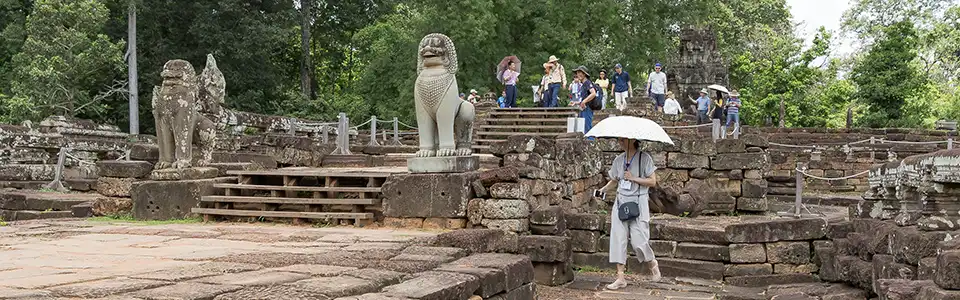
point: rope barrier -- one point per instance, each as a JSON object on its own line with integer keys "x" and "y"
{"x": 792, "y": 146}
{"x": 361, "y": 125}
{"x": 831, "y": 179}
{"x": 912, "y": 143}
{"x": 687, "y": 126}
{"x": 405, "y": 125}
{"x": 79, "y": 160}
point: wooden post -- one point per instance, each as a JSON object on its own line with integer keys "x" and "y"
{"x": 799, "y": 197}
{"x": 783, "y": 113}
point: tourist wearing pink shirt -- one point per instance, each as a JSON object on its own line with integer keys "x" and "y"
{"x": 510, "y": 80}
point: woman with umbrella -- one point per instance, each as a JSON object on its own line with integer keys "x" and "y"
{"x": 507, "y": 72}
{"x": 632, "y": 175}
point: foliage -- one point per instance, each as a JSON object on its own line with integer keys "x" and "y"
{"x": 128, "y": 219}
{"x": 887, "y": 78}
{"x": 869, "y": 18}
{"x": 63, "y": 61}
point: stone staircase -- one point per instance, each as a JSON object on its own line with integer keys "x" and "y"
{"x": 501, "y": 123}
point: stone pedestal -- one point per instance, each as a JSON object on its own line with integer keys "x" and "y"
{"x": 439, "y": 195}
{"x": 166, "y": 200}
{"x": 185, "y": 174}
{"x": 444, "y": 164}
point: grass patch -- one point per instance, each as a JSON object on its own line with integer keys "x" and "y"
{"x": 129, "y": 219}
{"x": 2, "y": 222}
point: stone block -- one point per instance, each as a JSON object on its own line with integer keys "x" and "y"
{"x": 682, "y": 232}
{"x": 792, "y": 269}
{"x": 910, "y": 245}
{"x": 927, "y": 270}
{"x": 552, "y": 274}
{"x": 504, "y": 209}
{"x": 184, "y": 290}
{"x": 901, "y": 289}
{"x": 777, "y": 230}
{"x": 475, "y": 210}
{"x": 698, "y": 147}
{"x": 743, "y": 161}
{"x": 679, "y": 160}
{"x": 660, "y": 248}
{"x": 527, "y": 291}
{"x": 838, "y": 230}
{"x": 492, "y": 281}
{"x": 937, "y": 293}
{"x": 542, "y": 248}
{"x": 503, "y": 174}
{"x": 510, "y": 190}
{"x": 857, "y": 272}
{"x": 827, "y": 257}
{"x": 599, "y": 260}
{"x": 752, "y": 174}
{"x": 547, "y": 216}
{"x": 444, "y": 223}
{"x": 82, "y": 210}
{"x": 104, "y": 288}
{"x": 479, "y": 190}
{"x": 193, "y": 173}
{"x": 585, "y": 221}
{"x": 886, "y": 267}
{"x": 675, "y": 267}
{"x": 755, "y": 140}
{"x": 168, "y": 200}
{"x": 754, "y": 188}
{"x": 403, "y": 222}
{"x": 124, "y": 168}
{"x": 109, "y": 206}
{"x": 768, "y": 280}
{"x": 747, "y": 269}
{"x": 731, "y": 146}
{"x": 735, "y": 174}
{"x": 747, "y": 253}
{"x": 525, "y": 144}
{"x": 703, "y": 252}
{"x": 24, "y": 172}
{"x": 700, "y": 173}
{"x": 788, "y": 252}
{"x": 436, "y": 285}
{"x": 114, "y": 187}
{"x": 338, "y": 286}
{"x": 443, "y": 164}
{"x": 428, "y": 195}
{"x": 518, "y": 268}
{"x": 254, "y": 278}
{"x": 584, "y": 240}
{"x": 512, "y": 225}
{"x": 948, "y": 270}
{"x": 479, "y": 240}
{"x": 752, "y": 204}
{"x": 276, "y": 292}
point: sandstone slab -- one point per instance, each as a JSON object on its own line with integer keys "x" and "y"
{"x": 260, "y": 277}
{"x": 948, "y": 270}
{"x": 518, "y": 268}
{"x": 436, "y": 285}
{"x": 552, "y": 273}
{"x": 106, "y": 287}
{"x": 124, "y": 168}
{"x": 492, "y": 281}
{"x": 788, "y": 252}
{"x": 703, "y": 252}
{"x": 733, "y": 270}
{"x": 542, "y": 248}
{"x": 776, "y": 230}
{"x": 114, "y": 187}
{"x": 167, "y": 200}
{"x": 504, "y": 208}
{"x": 339, "y": 286}
{"x": 440, "y": 195}
{"x": 186, "y": 291}
{"x": 443, "y": 164}
{"x": 276, "y": 292}
{"x": 194, "y": 173}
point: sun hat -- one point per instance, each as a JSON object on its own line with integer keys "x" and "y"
{"x": 704, "y": 91}
{"x": 553, "y": 58}
{"x": 582, "y": 69}
{"x": 734, "y": 93}
{"x": 473, "y": 91}
{"x": 669, "y": 93}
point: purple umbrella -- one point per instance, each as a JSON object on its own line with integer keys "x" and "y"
{"x": 503, "y": 66}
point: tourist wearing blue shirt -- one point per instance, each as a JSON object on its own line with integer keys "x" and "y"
{"x": 733, "y": 108}
{"x": 502, "y": 101}
{"x": 621, "y": 87}
{"x": 703, "y": 105}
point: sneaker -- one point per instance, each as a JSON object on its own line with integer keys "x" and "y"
{"x": 619, "y": 284}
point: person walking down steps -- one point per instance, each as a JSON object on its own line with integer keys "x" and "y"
{"x": 632, "y": 174}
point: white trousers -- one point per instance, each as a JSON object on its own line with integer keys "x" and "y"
{"x": 621, "y": 99}
{"x": 637, "y": 230}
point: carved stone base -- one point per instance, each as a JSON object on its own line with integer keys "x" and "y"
{"x": 167, "y": 200}
{"x": 184, "y": 174}
{"x": 444, "y": 164}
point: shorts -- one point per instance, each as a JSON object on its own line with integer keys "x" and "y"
{"x": 659, "y": 99}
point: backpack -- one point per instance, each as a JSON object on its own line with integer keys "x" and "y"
{"x": 596, "y": 103}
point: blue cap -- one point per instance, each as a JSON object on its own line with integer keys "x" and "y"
{"x": 618, "y": 66}
{"x": 657, "y": 65}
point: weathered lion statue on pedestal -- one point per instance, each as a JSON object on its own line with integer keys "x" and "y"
{"x": 176, "y": 109}
{"x": 445, "y": 122}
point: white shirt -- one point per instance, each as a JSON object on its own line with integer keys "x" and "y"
{"x": 671, "y": 107}
{"x": 658, "y": 82}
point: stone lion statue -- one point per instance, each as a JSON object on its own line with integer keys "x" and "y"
{"x": 176, "y": 109}
{"x": 445, "y": 122}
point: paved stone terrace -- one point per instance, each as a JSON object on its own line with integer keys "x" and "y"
{"x": 87, "y": 259}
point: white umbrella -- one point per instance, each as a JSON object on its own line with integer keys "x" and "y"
{"x": 631, "y": 128}
{"x": 719, "y": 88}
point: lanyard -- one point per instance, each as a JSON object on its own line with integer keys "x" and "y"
{"x": 627, "y": 163}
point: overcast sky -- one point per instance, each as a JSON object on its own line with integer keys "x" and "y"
{"x": 815, "y": 13}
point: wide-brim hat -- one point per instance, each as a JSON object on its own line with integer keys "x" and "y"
{"x": 582, "y": 69}
{"x": 704, "y": 91}
{"x": 547, "y": 65}
{"x": 553, "y": 58}
{"x": 473, "y": 91}
{"x": 734, "y": 93}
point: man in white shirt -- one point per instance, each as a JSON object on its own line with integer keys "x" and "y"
{"x": 657, "y": 86}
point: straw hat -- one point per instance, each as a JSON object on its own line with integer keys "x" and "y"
{"x": 670, "y": 94}
{"x": 734, "y": 93}
{"x": 582, "y": 69}
{"x": 547, "y": 65}
{"x": 553, "y": 58}
{"x": 704, "y": 91}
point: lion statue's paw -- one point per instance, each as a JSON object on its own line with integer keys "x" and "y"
{"x": 161, "y": 165}
{"x": 447, "y": 152}
{"x": 464, "y": 152}
{"x": 426, "y": 153}
{"x": 181, "y": 164}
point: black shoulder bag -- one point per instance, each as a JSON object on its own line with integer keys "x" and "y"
{"x": 630, "y": 210}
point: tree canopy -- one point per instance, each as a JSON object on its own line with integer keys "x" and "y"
{"x": 358, "y": 57}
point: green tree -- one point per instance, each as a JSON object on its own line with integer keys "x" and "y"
{"x": 65, "y": 59}
{"x": 887, "y": 77}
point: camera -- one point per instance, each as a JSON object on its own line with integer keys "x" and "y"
{"x": 599, "y": 194}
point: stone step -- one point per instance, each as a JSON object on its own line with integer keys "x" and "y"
{"x": 531, "y": 120}
{"x": 563, "y": 113}
{"x": 533, "y": 109}
{"x": 21, "y": 215}
{"x": 80, "y": 185}
{"x": 297, "y": 188}
{"x": 224, "y": 167}
{"x": 280, "y": 214}
{"x": 42, "y": 201}
{"x": 283, "y": 200}
{"x": 537, "y": 127}
{"x": 831, "y": 200}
